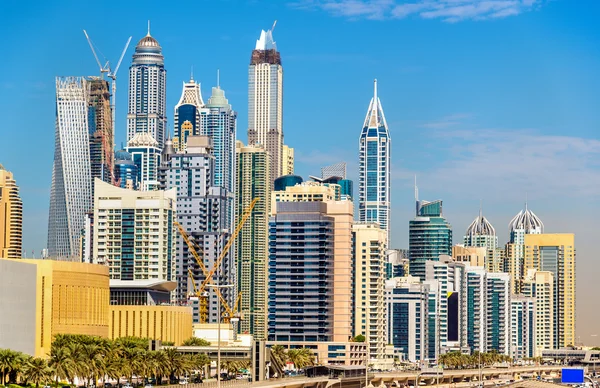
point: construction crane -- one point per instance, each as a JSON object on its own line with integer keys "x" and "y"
{"x": 112, "y": 74}
{"x": 200, "y": 292}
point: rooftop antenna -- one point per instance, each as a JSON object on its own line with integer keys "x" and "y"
{"x": 526, "y": 201}
{"x": 192, "y": 73}
{"x": 416, "y": 189}
{"x": 375, "y": 90}
{"x": 274, "y": 24}
{"x": 218, "y": 79}
{"x": 480, "y": 207}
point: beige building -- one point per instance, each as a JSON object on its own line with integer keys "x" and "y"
{"x": 305, "y": 192}
{"x": 252, "y": 242}
{"x": 287, "y": 160}
{"x": 11, "y": 217}
{"x": 369, "y": 277}
{"x": 42, "y": 298}
{"x": 555, "y": 253}
{"x": 475, "y": 256}
{"x": 539, "y": 285}
{"x": 513, "y": 265}
{"x": 164, "y": 323}
{"x": 337, "y": 215}
{"x": 134, "y": 232}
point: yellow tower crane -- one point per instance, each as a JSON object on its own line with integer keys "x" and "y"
{"x": 200, "y": 291}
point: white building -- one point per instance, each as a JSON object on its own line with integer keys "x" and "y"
{"x": 265, "y": 101}
{"x": 522, "y": 327}
{"x": 134, "y": 232}
{"x": 374, "y": 167}
{"x": 540, "y": 286}
{"x": 147, "y": 91}
{"x": 70, "y": 194}
{"x": 369, "y": 278}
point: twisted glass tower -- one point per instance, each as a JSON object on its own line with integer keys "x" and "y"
{"x": 374, "y": 169}
{"x": 70, "y": 195}
{"x": 147, "y": 91}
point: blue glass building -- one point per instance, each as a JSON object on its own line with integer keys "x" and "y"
{"x": 187, "y": 114}
{"x": 286, "y": 181}
{"x": 126, "y": 172}
{"x": 374, "y": 167}
{"x": 429, "y": 236}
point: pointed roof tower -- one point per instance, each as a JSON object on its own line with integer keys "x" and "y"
{"x": 375, "y": 118}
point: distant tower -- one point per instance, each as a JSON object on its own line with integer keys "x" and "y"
{"x": 265, "y": 101}
{"x": 102, "y": 136}
{"x": 145, "y": 151}
{"x": 374, "y": 169}
{"x": 187, "y": 114}
{"x": 11, "y": 217}
{"x": 70, "y": 195}
{"x": 481, "y": 233}
{"x": 147, "y": 91}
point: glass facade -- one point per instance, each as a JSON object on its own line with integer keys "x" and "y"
{"x": 428, "y": 238}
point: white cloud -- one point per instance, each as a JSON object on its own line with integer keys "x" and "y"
{"x": 508, "y": 163}
{"x": 447, "y": 10}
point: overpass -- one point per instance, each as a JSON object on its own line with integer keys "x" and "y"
{"x": 414, "y": 378}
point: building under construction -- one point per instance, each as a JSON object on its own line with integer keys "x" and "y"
{"x": 101, "y": 130}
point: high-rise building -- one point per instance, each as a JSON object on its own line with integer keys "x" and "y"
{"x": 474, "y": 256}
{"x": 147, "y": 110}
{"x": 522, "y": 327}
{"x": 524, "y": 223}
{"x": 134, "y": 233}
{"x": 187, "y": 114}
{"x": 287, "y": 160}
{"x": 335, "y": 170}
{"x": 407, "y": 300}
{"x": 11, "y": 217}
{"x": 70, "y": 194}
{"x": 374, "y": 167}
{"x": 265, "y": 101}
{"x": 219, "y": 121}
{"x": 102, "y": 137}
{"x": 369, "y": 291}
{"x": 539, "y": 285}
{"x": 201, "y": 212}
{"x": 312, "y": 301}
{"x": 555, "y": 253}
{"x": 126, "y": 172}
{"x": 481, "y": 233}
{"x": 146, "y": 154}
{"x": 252, "y": 248}
{"x": 429, "y": 236}
{"x": 305, "y": 191}
{"x": 498, "y": 306}
{"x": 476, "y": 309}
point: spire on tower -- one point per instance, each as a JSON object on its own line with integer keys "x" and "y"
{"x": 219, "y": 77}
{"x": 148, "y": 28}
{"x": 192, "y": 74}
{"x": 375, "y": 90}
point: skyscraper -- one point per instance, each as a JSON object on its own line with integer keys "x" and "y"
{"x": 555, "y": 253}
{"x": 539, "y": 285}
{"x": 145, "y": 151}
{"x": 187, "y": 114}
{"x": 11, "y": 217}
{"x": 481, "y": 233}
{"x": 252, "y": 248}
{"x": 524, "y": 223}
{"x": 70, "y": 194}
{"x": 429, "y": 236}
{"x": 369, "y": 291}
{"x": 201, "y": 212}
{"x": 102, "y": 136}
{"x": 147, "y": 91}
{"x": 134, "y": 233}
{"x": 219, "y": 121}
{"x": 312, "y": 302}
{"x": 126, "y": 172}
{"x": 265, "y": 101}
{"x": 287, "y": 160}
{"x": 374, "y": 168}
{"x": 522, "y": 327}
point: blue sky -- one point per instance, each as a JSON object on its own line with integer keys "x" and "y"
{"x": 485, "y": 99}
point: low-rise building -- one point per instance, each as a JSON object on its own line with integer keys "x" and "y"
{"x": 42, "y": 298}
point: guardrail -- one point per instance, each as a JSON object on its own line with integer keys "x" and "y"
{"x": 212, "y": 383}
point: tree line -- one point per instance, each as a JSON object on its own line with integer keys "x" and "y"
{"x": 458, "y": 360}
{"x": 92, "y": 359}
{"x": 301, "y": 357}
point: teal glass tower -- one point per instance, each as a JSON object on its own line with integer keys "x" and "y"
{"x": 374, "y": 167}
{"x": 429, "y": 236}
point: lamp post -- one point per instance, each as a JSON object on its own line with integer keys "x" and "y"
{"x": 219, "y": 286}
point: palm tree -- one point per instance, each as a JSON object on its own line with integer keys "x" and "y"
{"x": 301, "y": 358}
{"x": 36, "y": 370}
{"x": 6, "y": 356}
{"x": 279, "y": 355}
{"x": 61, "y": 363}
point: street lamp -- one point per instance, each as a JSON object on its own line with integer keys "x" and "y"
{"x": 219, "y": 286}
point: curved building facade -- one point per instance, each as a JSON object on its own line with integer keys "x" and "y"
{"x": 286, "y": 181}
{"x": 11, "y": 217}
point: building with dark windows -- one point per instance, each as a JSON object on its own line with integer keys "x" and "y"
{"x": 202, "y": 213}
{"x": 134, "y": 233}
{"x": 101, "y": 130}
{"x": 147, "y": 108}
{"x": 126, "y": 172}
{"x": 407, "y": 301}
{"x": 374, "y": 167}
{"x": 429, "y": 236}
{"x": 286, "y": 181}
{"x": 187, "y": 114}
{"x": 146, "y": 154}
